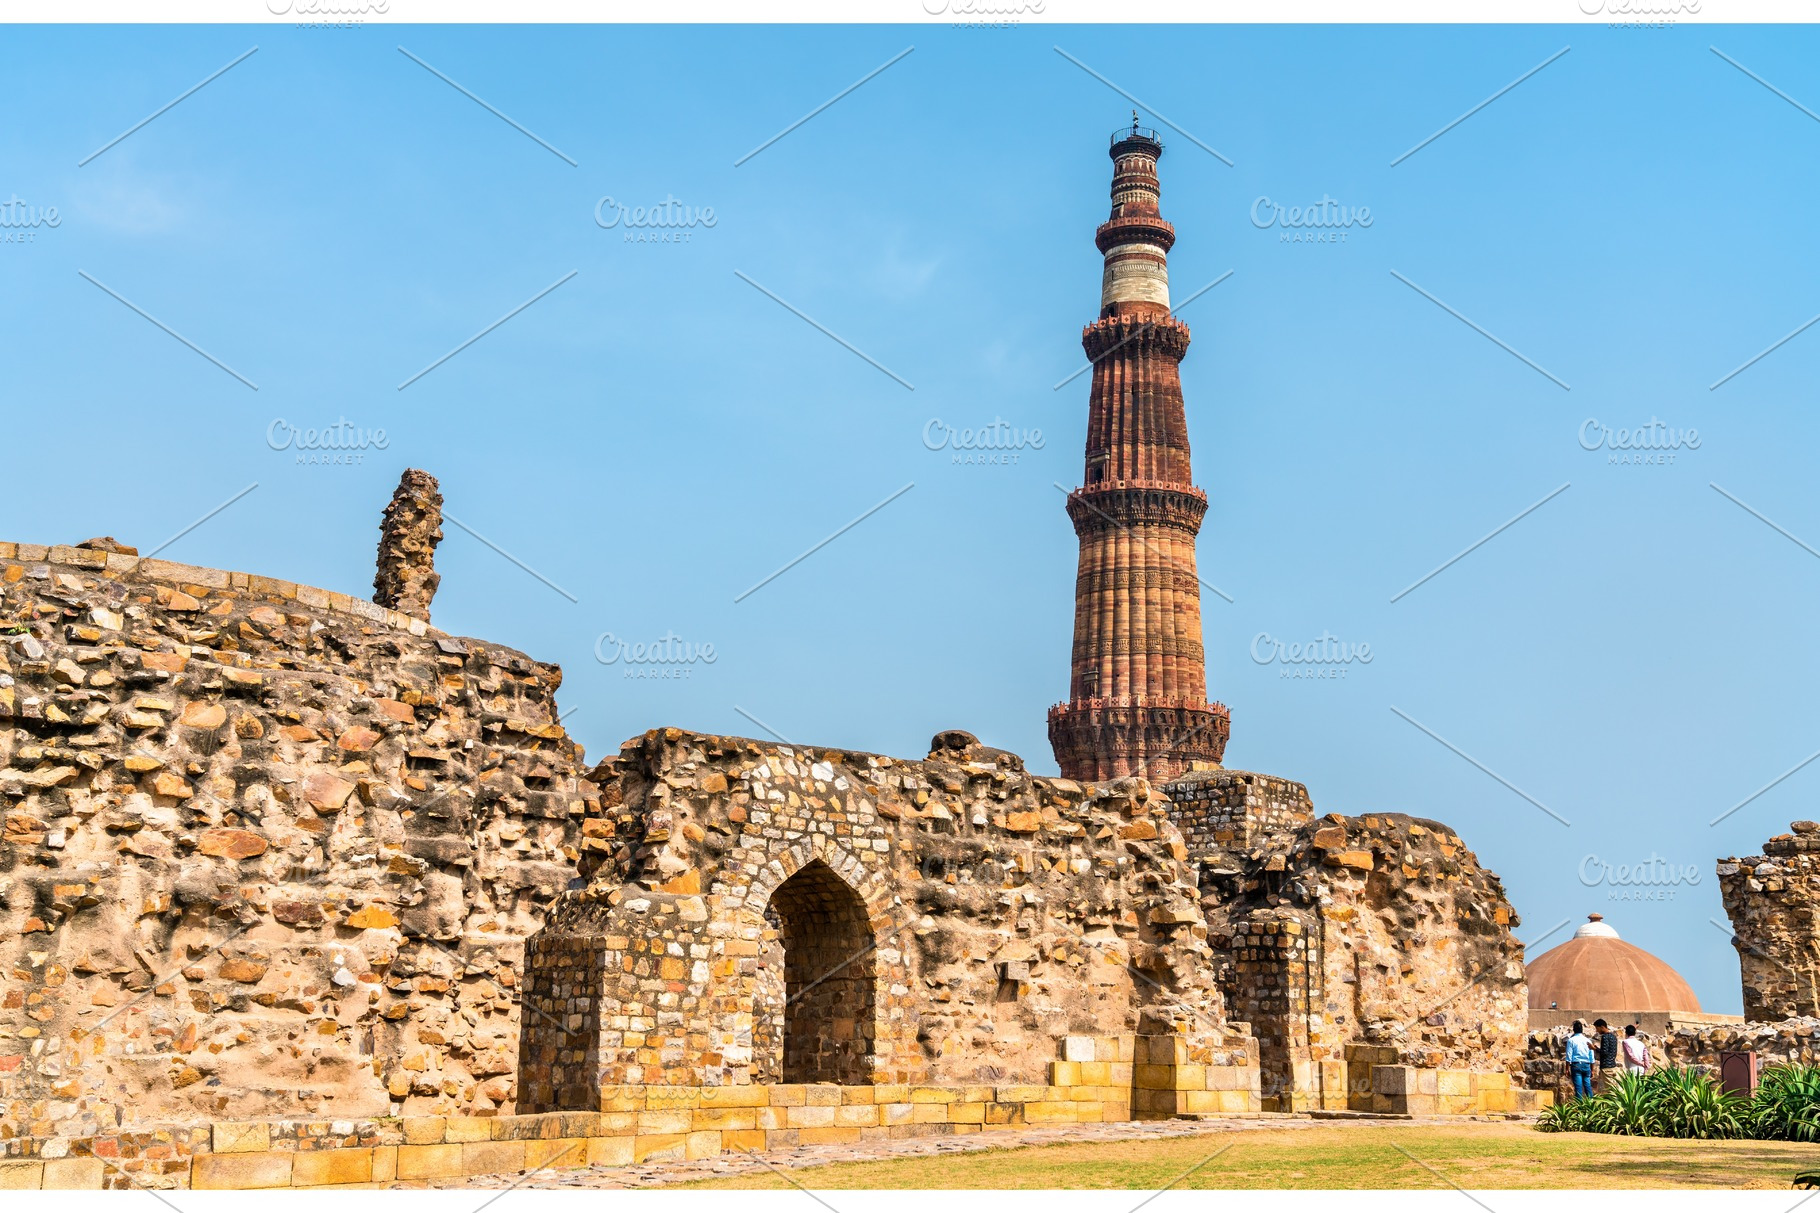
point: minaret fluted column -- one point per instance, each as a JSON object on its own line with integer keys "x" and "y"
{"x": 1137, "y": 693}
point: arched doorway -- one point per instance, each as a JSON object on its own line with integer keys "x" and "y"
{"x": 828, "y": 961}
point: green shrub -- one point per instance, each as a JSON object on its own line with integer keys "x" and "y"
{"x": 1691, "y": 1104}
{"x": 1669, "y": 1102}
{"x": 1787, "y": 1104}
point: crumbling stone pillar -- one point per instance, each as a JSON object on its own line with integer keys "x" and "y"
{"x": 1773, "y": 901}
{"x": 406, "y": 579}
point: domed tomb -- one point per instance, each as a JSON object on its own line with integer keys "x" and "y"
{"x": 1598, "y": 971}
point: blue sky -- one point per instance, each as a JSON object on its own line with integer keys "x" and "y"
{"x": 655, "y": 435}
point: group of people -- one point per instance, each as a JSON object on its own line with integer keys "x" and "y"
{"x": 1607, "y": 1052}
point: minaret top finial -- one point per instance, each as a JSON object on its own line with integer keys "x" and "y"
{"x": 1134, "y": 121}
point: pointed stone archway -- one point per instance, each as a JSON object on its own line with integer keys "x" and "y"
{"x": 819, "y": 1022}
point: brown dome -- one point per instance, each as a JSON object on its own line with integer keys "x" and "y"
{"x": 1597, "y": 971}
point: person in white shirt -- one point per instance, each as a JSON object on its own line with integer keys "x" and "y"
{"x": 1634, "y": 1050}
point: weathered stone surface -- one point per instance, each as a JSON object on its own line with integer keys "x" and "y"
{"x": 231, "y": 844}
{"x": 1773, "y": 901}
{"x": 218, "y": 834}
{"x": 807, "y": 915}
{"x": 1349, "y": 943}
{"x": 406, "y": 579}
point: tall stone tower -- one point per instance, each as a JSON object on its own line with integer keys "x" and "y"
{"x": 1137, "y": 694}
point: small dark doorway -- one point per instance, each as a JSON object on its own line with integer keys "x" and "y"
{"x": 829, "y": 960}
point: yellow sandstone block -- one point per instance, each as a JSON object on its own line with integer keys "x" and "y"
{"x": 788, "y": 1095}
{"x": 891, "y": 1092}
{"x": 717, "y": 1119}
{"x": 1095, "y": 1073}
{"x": 808, "y": 1117}
{"x": 1004, "y": 1114}
{"x": 320, "y": 1168}
{"x": 75, "y": 1174}
{"x": 742, "y": 1139}
{"x": 967, "y": 1113}
{"x": 1049, "y": 1111}
{"x": 857, "y": 1095}
{"x": 928, "y": 1113}
{"x": 385, "y": 1164}
{"x": 856, "y": 1116}
{"x": 621, "y": 1099}
{"x": 429, "y": 1162}
{"x": 822, "y": 1095}
{"x": 468, "y": 1128}
{"x": 661, "y": 1147}
{"x": 829, "y": 1136}
{"x": 21, "y": 1176}
{"x": 932, "y": 1095}
{"x": 557, "y": 1153}
{"x": 894, "y": 1113}
{"x": 490, "y": 1157}
{"x": 1147, "y": 1077}
{"x": 737, "y": 1097}
{"x": 240, "y": 1137}
{"x": 267, "y": 1169}
{"x": 424, "y": 1130}
{"x": 609, "y": 1151}
{"x": 679, "y": 1120}
{"x": 703, "y": 1144}
{"x": 1064, "y": 1073}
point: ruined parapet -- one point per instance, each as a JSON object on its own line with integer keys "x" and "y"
{"x": 963, "y": 916}
{"x": 1772, "y": 900}
{"x": 269, "y": 850}
{"x": 1366, "y": 942}
{"x": 406, "y": 578}
{"x": 1222, "y": 813}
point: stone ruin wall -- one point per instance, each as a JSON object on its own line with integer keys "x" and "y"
{"x": 1009, "y": 912}
{"x": 267, "y": 850}
{"x": 1349, "y": 943}
{"x": 1771, "y": 900}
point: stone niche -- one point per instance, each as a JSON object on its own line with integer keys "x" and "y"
{"x": 268, "y": 851}
{"x": 783, "y": 914}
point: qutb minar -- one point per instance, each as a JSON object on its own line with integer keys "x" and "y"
{"x": 1137, "y": 694}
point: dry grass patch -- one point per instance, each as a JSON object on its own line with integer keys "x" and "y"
{"x": 1500, "y": 1155}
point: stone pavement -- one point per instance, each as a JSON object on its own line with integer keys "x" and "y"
{"x": 656, "y": 1175}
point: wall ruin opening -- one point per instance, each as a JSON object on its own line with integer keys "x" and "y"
{"x": 829, "y": 965}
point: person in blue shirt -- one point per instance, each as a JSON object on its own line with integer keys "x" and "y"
{"x": 1580, "y": 1061}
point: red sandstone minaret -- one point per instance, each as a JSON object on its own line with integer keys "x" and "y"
{"x": 1137, "y": 695}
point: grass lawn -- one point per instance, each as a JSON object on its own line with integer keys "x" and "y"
{"x": 1499, "y": 1155}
